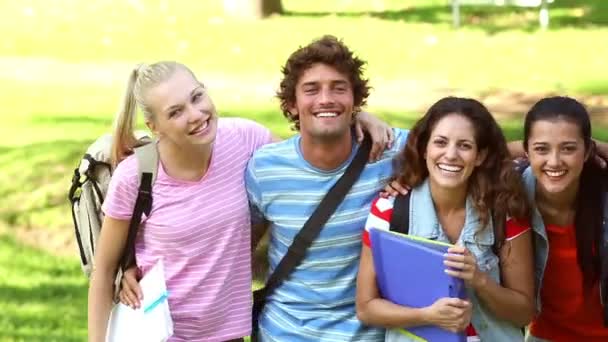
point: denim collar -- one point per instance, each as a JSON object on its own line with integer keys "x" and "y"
{"x": 424, "y": 222}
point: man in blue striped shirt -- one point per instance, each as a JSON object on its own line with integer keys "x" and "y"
{"x": 322, "y": 89}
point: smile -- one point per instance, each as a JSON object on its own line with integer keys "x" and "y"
{"x": 555, "y": 174}
{"x": 326, "y": 114}
{"x": 200, "y": 129}
{"x": 449, "y": 168}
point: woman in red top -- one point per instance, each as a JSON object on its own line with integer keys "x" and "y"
{"x": 569, "y": 190}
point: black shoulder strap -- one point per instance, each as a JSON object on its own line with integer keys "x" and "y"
{"x": 400, "y": 220}
{"x": 604, "y": 286}
{"x": 143, "y": 204}
{"x": 311, "y": 229}
{"x": 146, "y": 153}
{"x": 604, "y": 261}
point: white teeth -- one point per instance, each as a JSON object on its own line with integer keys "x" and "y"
{"x": 449, "y": 168}
{"x": 326, "y": 115}
{"x": 202, "y": 127}
{"x": 555, "y": 173}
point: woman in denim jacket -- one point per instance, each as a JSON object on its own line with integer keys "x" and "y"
{"x": 569, "y": 221}
{"x": 464, "y": 191}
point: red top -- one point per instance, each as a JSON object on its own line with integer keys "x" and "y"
{"x": 568, "y": 313}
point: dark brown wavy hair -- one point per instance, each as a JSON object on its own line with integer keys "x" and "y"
{"x": 495, "y": 186}
{"x": 327, "y": 50}
{"x": 593, "y": 182}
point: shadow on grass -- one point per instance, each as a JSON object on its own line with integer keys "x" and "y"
{"x": 491, "y": 19}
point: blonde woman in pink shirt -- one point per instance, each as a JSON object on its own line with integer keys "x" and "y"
{"x": 199, "y": 224}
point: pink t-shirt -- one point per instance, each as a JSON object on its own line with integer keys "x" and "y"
{"x": 202, "y": 231}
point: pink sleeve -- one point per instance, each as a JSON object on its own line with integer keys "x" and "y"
{"x": 122, "y": 191}
{"x": 255, "y": 135}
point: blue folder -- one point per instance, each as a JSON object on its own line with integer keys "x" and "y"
{"x": 410, "y": 272}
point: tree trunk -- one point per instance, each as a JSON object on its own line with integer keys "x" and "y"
{"x": 252, "y": 9}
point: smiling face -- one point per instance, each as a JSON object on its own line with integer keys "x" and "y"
{"x": 451, "y": 153}
{"x": 556, "y": 150}
{"x": 324, "y": 103}
{"x": 183, "y": 111}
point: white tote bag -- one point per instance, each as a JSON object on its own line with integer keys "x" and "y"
{"x": 152, "y": 321}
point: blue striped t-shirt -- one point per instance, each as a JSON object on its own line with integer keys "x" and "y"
{"x": 317, "y": 302}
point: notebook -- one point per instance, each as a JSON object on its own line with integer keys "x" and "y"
{"x": 410, "y": 272}
{"x": 152, "y": 322}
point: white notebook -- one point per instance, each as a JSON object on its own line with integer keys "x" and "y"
{"x": 152, "y": 321}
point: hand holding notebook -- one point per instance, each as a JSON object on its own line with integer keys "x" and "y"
{"x": 410, "y": 271}
{"x": 451, "y": 314}
{"x": 462, "y": 264}
{"x": 151, "y": 322}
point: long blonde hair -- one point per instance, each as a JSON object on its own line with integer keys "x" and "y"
{"x": 142, "y": 78}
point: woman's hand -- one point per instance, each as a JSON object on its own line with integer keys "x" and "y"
{"x": 452, "y": 314}
{"x": 380, "y": 132}
{"x": 462, "y": 264}
{"x": 601, "y": 153}
{"x": 394, "y": 188}
{"x": 130, "y": 291}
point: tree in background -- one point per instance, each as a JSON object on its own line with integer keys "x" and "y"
{"x": 252, "y": 9}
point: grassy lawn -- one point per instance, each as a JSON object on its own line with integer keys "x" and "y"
{"x": 63, "y": 66}
{"x": 43, "y": 298}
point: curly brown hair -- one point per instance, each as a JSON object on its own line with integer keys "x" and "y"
{"x": 495, "y": 186}
{"x": 327, "y": 50}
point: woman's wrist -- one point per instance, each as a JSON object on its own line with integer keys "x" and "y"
{"x": 480, "y": 281}
{"x": 426, "y": 316}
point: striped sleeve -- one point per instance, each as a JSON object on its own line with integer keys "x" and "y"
{"x": 122, "y": 190}
{"x": 254, "y": 134}
{"x": 254, "y": 193}
{"x": 515, "y": 228}
{"x": 379, "y": 217}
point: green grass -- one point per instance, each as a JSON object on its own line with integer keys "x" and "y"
{"x": 43, "y": 298}
{"x": 412, "y": 42}
{"x": 63, "y": 66}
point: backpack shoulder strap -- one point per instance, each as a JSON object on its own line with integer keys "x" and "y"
{"x": 147, "y": 168}
{"x": 147, "y": 160}
{"x": 604, "y": 261}
{"x": 400, "y": 220}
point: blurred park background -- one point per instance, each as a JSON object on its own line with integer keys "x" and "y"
{"x": 64, "y": 65}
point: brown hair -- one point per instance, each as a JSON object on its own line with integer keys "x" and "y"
{"x": 495, "y": 186}
{"x": 327, "y": 50}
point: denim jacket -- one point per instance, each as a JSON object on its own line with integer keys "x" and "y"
{"x": 541, "y": 242}
{"x": 424, "y": 223}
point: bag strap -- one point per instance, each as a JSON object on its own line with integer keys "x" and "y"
{"x": 311, "y": 229}
{"x": 147, "y": 168}
{"x": 400, "y": 220}
{"x": 604, "y": 261}
{"x": 147, "y": 159}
